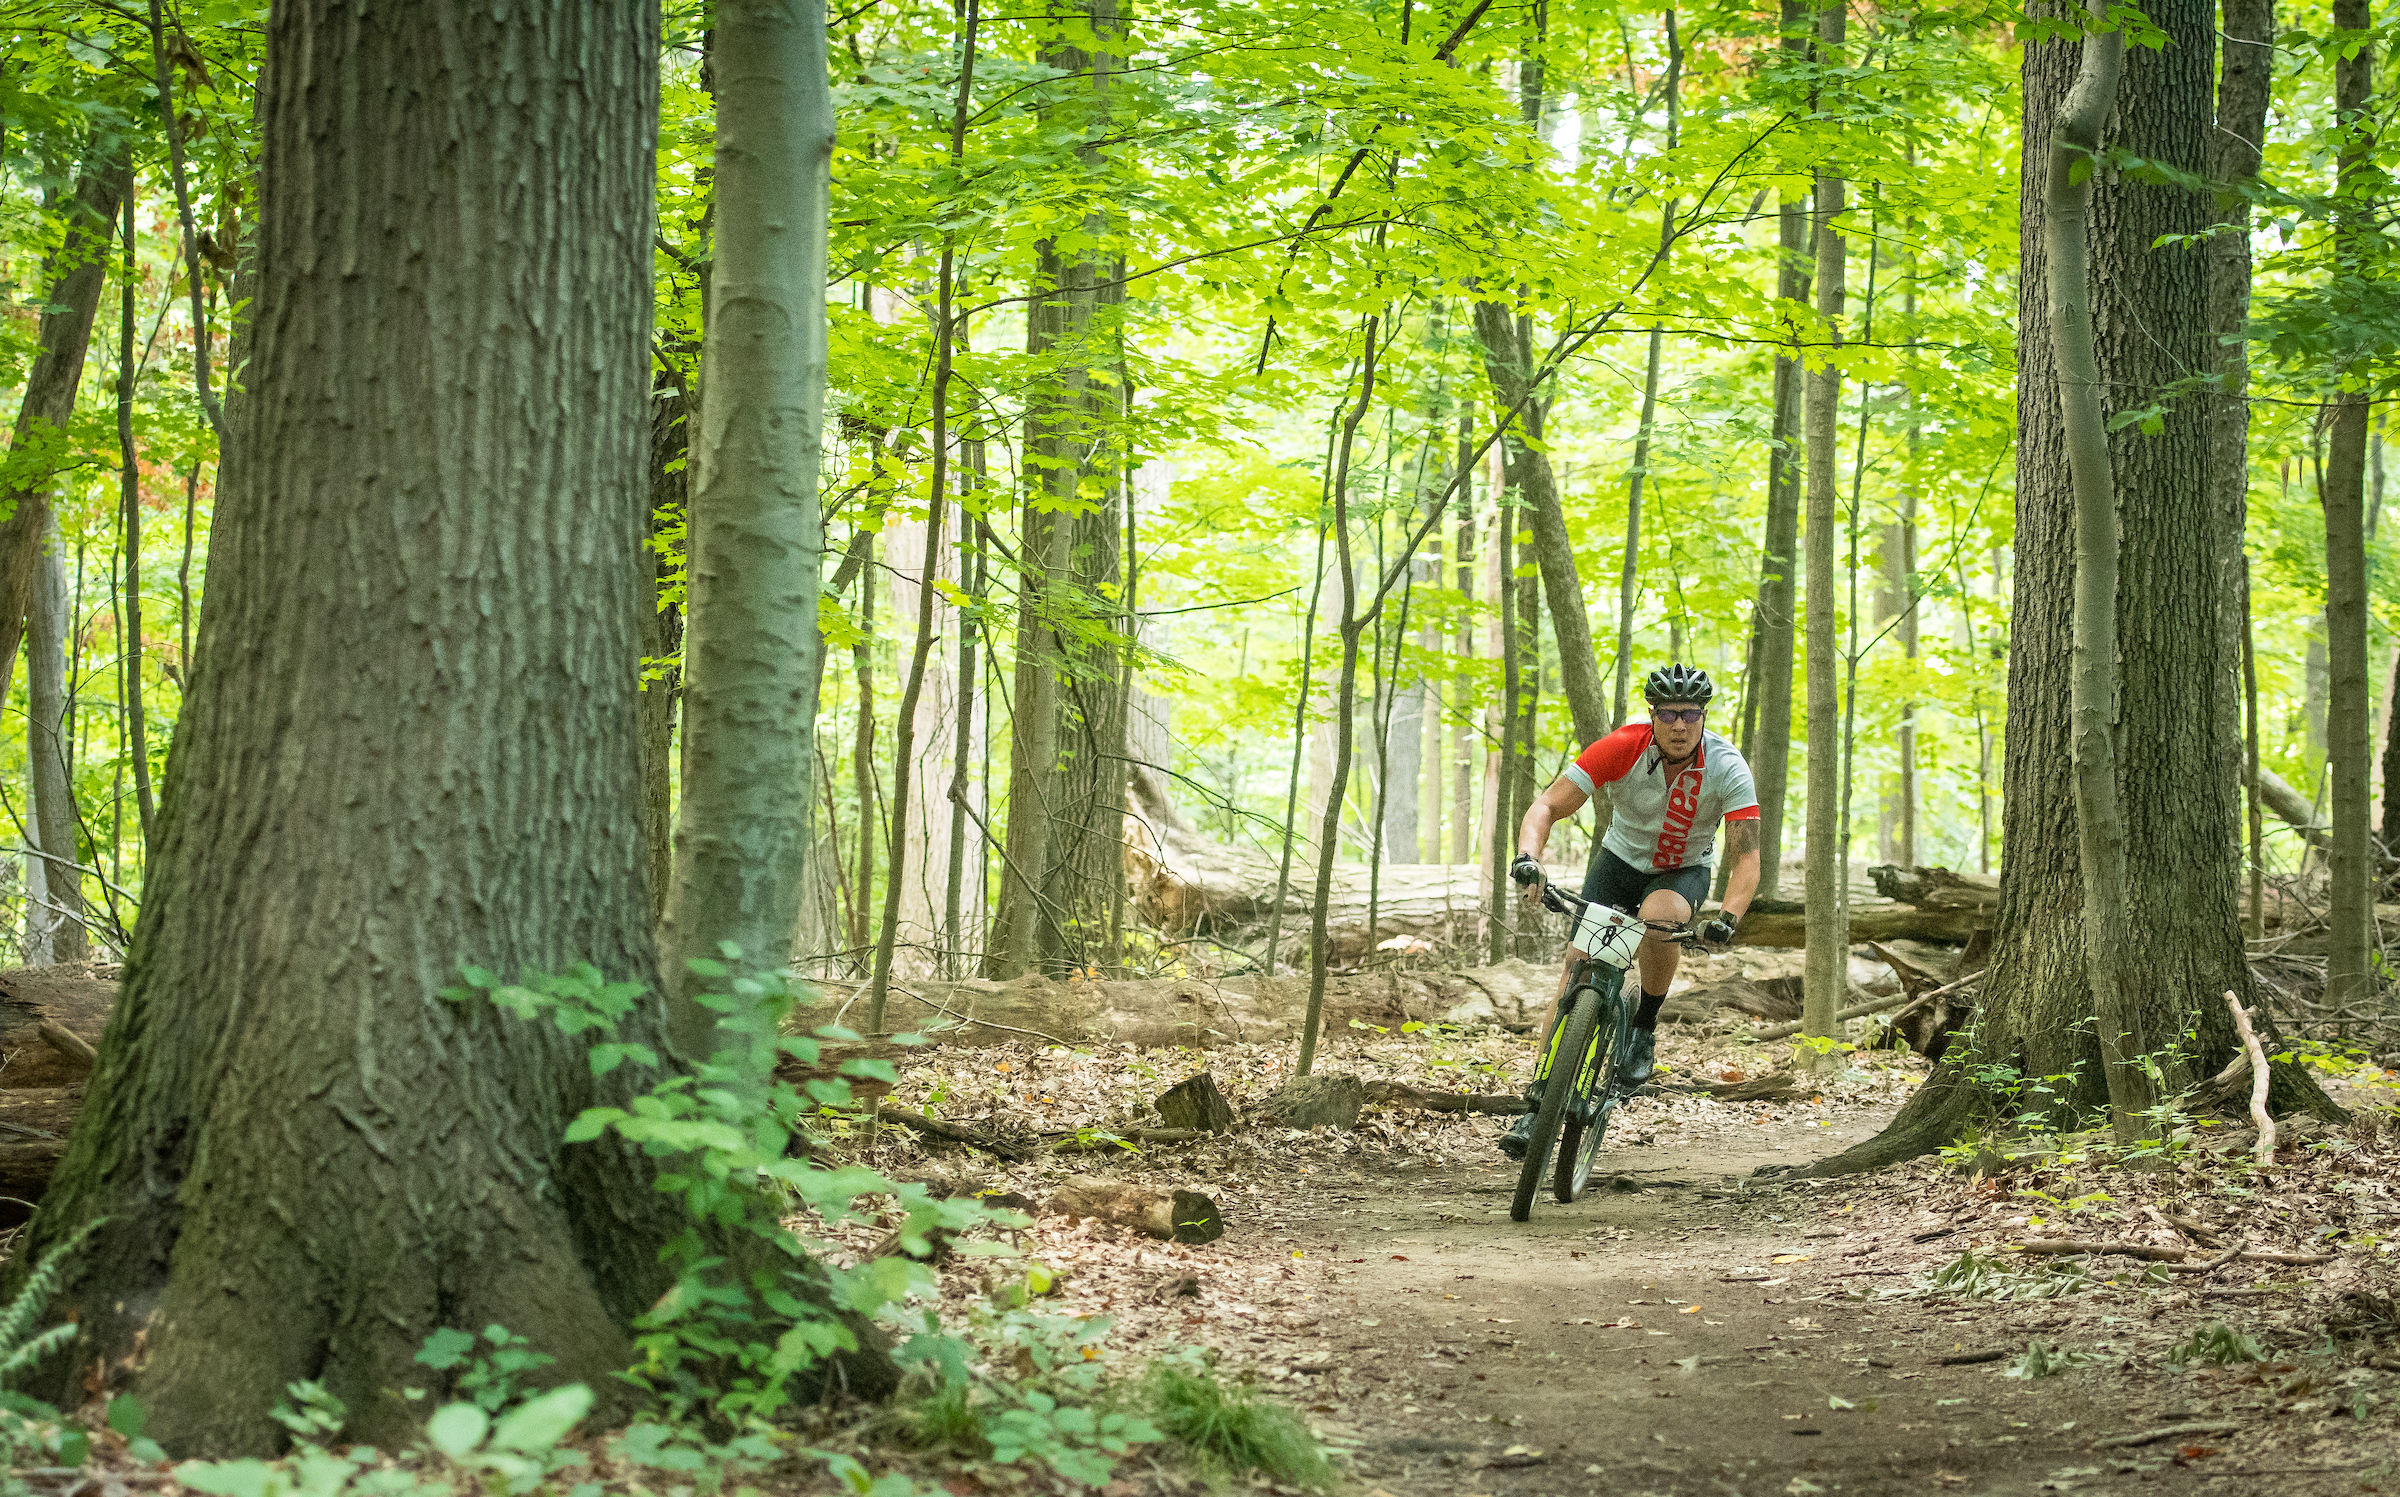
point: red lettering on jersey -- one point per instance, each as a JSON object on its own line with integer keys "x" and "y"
{"x": 1675, "y": 829}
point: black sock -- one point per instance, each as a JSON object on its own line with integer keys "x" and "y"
{"x": 1646, "y": 1017}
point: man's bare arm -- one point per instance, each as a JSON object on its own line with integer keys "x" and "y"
{"x": 1741, "y": 854}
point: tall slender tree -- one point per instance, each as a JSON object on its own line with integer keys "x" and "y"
{"x": 2348, "y": 721}
{"x": 1827, "y": 977}
{"x": 751, "y": 648}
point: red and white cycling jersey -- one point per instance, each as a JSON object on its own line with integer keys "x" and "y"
{"x": 1657, "y": 825}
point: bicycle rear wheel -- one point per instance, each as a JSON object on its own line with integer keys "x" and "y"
{"x": 1568, "y": 1047}
{"x": 1579, "y": 1142}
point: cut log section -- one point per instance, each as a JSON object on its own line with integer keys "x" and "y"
{"x": 1195, "y": 1103}
{"x": 1168, "y": 1215}
{"x": 1315, "y": 1102}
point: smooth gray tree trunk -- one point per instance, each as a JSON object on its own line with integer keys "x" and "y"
{"x": 71, "y": 282}
{"x": 1825, "y": 980}
{"x": 52, "y": 880}
{"x": 755, "y": 534}
{"x": 2092, "y": 682}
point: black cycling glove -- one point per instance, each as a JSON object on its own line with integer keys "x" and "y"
{"x": 1525, "y": 870}
{"x": 1720, "y": 928}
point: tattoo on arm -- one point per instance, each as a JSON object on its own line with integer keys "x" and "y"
{"x": 1740, "y": 837}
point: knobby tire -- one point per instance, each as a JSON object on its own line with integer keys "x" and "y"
{"x": 1575, "y": 1036}
{"x": 1579, "y": 1144}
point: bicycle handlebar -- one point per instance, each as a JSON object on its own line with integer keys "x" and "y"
{"x": 1676, "y": 932}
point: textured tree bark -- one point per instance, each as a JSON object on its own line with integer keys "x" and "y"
{"x": 1508, "y": 360}
{"x": 2349, "y": 744}
{"x": 1826, "y": 981}
{"x": 2092, "y": 680}
{"x": 1067, "y": 731}
{"x": 421, "y": 632}
{"x": 661, "y": 637}
{"x": 2149, "y": 310}
{"x": 71, "y": 278}
{"x": 56, "y": 923}
{"x": 1462, "y": 741}
{"x": 756, "y": 538}
{"x": 862, "y": 752}
{"x": 2244, "y": 86}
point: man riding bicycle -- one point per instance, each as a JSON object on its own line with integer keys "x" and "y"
{"x": 1670, "y": 782}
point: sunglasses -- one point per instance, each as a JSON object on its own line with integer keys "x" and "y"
{"x": 1672, "y": 715}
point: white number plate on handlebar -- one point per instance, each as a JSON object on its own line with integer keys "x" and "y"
{"x": 1610, "y": 935}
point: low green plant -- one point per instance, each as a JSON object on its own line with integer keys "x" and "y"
{"x": 1973, "y": 1275}
{"x": 2217, "y": 1344}
{"x": 2041, "y": 1360}
{"x": 466, "y": 1449}
{"x": 1025, "y": 1388}
{"x": 32, "y": 1433}
{"x": 753, "y": 1305}
{"x": 1232, "y": 1432}
{"x": 488, "y": 1380}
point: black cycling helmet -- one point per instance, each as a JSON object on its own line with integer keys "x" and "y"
{"x": 1679, "y": 683}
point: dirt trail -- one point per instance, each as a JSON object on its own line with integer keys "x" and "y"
{"x": 1648, "y": 1340}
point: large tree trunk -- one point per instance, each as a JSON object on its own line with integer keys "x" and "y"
{"x": 2349, "y": 746}
{"x": 2149, "y": 309}
{"x": 408, "y": 745}
{"x": 1827, "y": 979}
{"x": 71, "y": 279}
{"x": 751, "y": 648}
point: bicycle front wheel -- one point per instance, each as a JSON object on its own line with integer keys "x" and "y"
{"x": 1569, "y": 1042}
{"x": 1579, "y": 1142}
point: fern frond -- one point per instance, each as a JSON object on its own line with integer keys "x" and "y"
{"x": 18, "y": 1317}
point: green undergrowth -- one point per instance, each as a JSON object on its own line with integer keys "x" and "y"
{"x": 728, "y": 1358}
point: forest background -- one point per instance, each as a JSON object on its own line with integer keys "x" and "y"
{"x": 1306, "y": 260}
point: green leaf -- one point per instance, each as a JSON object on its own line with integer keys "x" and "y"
{"x": 457, "y": 1428}
{"x": 540, "y": 1423}
{"x": 125, "y": 1415}
{"x": 446, "y": 1348}
{"x": 231, "y": 1478}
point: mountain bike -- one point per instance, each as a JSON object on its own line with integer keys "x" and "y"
{"x": 1596, "y": 1032}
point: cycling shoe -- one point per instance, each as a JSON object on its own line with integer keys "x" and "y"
{"x": 1644, "y": 1058}
{"x": 1518, "y": 1138}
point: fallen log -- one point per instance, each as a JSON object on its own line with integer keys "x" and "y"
{"x": 918, "y": 1123}
{"x": 1185, "y": 883}
{"x": 1857, "y": 1010}
{"x": 1784, "y": 923}
{"x": 2156, "y": 1252}
{"x": 1776, "y": 1086}
{"x": 1489, "y": 1104}
{"x": 72, "y": 998}
{"x": 1103, "y": 1142}
{"x": 1168, "y": 1215}
{"x": 1937, "y": 888}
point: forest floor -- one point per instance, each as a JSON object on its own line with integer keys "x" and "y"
{"x": 1683, "y": 1330}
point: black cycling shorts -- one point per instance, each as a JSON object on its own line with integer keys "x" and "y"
{"x": 1612, "y": 881}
